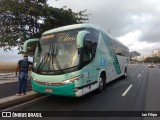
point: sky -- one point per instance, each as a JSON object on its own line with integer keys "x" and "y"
{"x": 136, "y": 23}
{"x": 11, "y": 55}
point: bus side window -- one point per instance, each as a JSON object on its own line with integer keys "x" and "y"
{"x": 87, "y": 51}
{"x": 93, "y": 36}
{"x": 90, "y": 45}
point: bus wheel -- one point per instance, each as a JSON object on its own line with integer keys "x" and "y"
{"x": 101, "y": 83}
{"x": 125, "y": 73}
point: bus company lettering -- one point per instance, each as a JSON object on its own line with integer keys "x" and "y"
{"x": 63, "y": 37}
{"x": 48, "y": 36}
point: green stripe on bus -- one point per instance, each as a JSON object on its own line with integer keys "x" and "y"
{"x": 112, "y": 53}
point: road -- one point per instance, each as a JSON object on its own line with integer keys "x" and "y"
{"x": 138, "y": 92}
{"x": 10, "y": 89}
{"x": 9, "y": 85}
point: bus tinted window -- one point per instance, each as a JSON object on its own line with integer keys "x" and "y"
{"x": 93, "y": 37}
{"x": 119, "y": 49}
{"x": 90, "y": 45}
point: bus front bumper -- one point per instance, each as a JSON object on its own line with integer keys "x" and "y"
{"x": 63, "y": 90}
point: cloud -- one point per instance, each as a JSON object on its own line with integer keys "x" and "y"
{"x": 132, "y": 41}
{"x": 130, "y": 38}
{"x": 134, "y": 22}
{"x": 151, "y": 31}
{"x": 11, "y": 55}
{"x": 124, "y": 17}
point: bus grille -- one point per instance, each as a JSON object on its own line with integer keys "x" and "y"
{"x": 49, "y": 83}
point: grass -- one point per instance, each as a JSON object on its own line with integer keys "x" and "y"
{"x": 6, "y": 67}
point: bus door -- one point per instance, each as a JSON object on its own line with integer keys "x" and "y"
{"x": 88, "y": 63}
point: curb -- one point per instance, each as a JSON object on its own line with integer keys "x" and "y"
{"x": 7, "y": 82}
{"x": 3, "y": 74}
{"x": 12, "y": 100}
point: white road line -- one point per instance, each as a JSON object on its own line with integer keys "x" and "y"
{"x": 125, "y": 92}
{"x": 25, "y": 103}
{"x": 139, "y": 75}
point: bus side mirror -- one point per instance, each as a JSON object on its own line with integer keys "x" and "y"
{"x": 80, "y": 38}
{"x": 30, "y": 45}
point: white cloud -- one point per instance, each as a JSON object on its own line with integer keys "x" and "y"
{"x": 131, "y": 40}
{"x": 135, "y": 23}
{"x": 11, "y": 55}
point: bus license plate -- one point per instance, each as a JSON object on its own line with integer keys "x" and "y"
{"x": 48, "y": 90}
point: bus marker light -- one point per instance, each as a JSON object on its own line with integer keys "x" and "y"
{"x": 76, "y": 90}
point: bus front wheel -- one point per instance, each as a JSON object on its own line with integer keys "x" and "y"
{"x": 125, "y": 73}
{"x": 101, "y": 83}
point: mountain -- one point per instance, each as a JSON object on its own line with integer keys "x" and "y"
{"x": 134, "y": 54}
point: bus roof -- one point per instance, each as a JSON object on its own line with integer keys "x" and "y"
{"x": 70, "y": 27}
{"x": 83, "y": 25}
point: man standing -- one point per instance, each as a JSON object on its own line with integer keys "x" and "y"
{"x": 22, "y": 67}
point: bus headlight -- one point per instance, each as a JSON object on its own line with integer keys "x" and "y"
{"x": 32, "y": 78}
{"x": 68, "y": 81}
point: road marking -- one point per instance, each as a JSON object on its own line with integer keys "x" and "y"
{"x": 4, "y": 74}
{"x": 25, "y": 103}
{"x": 125, "y": 92}
{"x": 139, "y": 75}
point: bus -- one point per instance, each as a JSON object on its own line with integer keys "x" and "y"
{"x": 76, "y": 59}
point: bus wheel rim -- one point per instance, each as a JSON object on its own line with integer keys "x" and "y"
{"x": 125, "y": 74}
{"x": 101, "y": 83}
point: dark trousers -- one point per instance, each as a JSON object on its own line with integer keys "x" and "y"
{"x": 22, "y": 86}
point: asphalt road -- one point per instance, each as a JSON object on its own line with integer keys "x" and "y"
{"x": 10, "y": 89}
{"x": 138, "y": 92}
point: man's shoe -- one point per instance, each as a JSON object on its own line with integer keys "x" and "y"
{"x": 18, "y": 94}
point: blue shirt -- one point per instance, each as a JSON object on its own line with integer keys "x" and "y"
{"x": 24, "y": 65}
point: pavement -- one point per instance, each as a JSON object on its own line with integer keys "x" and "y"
{"x": 9, "y": 83}
{"x": 12, "y": 100}
{"x": 132, "y": 65}
{"x": 6, "y": 78}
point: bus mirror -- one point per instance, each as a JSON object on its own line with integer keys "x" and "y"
{"x": 80, "y": 38}
{"x": 30, "y": 45}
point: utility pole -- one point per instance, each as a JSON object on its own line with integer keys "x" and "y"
{"x": 152, "y": 56}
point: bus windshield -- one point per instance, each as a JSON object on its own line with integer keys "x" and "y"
{"x": 57, "y": 51}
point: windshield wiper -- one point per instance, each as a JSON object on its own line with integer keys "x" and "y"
{"x": 43, "y": 61}
{"x": 51, "y": 53}
{"x": 41, "y": 64}
{"x": 55, "y": 58}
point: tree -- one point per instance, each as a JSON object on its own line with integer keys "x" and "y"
{"x": 55, "y": 17}
{"x": 154, "y": 59}
{"x": 25, "y": 19}
{"x": 19, "y": 21}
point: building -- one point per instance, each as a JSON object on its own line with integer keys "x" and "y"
{"x": 156, "y": 52}
{"x": 142, "y": 57}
